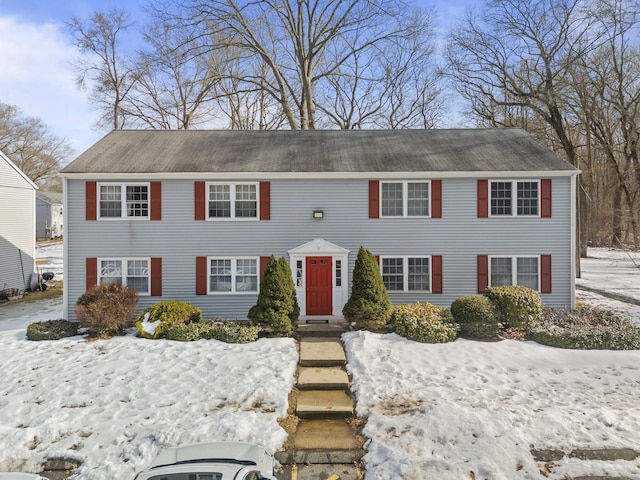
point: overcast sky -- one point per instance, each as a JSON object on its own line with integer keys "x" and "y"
{"x": 35, "y": 54}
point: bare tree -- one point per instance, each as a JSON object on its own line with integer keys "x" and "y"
{"x": 103, "y": 66}
{"x": 30, "y": 145}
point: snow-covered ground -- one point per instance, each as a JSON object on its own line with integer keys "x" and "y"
{"x": 433, "y": 411}
{"x": 445, "y": 411}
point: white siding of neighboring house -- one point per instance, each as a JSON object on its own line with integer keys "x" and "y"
{"x": 17, "y": 226}
{"x": 459, "y": 236}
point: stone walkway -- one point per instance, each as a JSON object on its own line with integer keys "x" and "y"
{"x": 326, "y": 442}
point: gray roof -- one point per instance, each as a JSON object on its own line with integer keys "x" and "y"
{"x": 54, "y": 198}
{"x": 349, "y": 151}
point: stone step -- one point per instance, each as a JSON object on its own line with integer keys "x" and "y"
{"x": 324, "y": 404}
{"x": 321, "y": 352}
{"x": 322, "y": 441}
{"x": 319, "y": 472}
{"x": 315, "y": 329}
{"x": 322, "y": 378}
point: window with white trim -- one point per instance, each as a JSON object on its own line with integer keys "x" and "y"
{"x": 232, "y": 200}
{"x": 515, "y": 198}
{"x": 404, "y": 199}
{"x": 233, "y": 275}
{"x": 406, "y": 274}
{"x": 524, "y": 271}
{"x": 123, "y": 200}
{"x": 130, "y": 272}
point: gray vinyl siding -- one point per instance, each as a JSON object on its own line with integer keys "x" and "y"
{"x": 17, "y": 228}
{"x": 458, "y": 236}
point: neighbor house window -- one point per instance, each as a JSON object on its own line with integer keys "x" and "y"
{"x": 233, "y": 275}
{"x": 133, "y": 273}
{"x": 522, "y": 271}
{"x": 233, "y": 200}
{"x": 123, "y": 200}
{"x": 406, "y": 274}
{"x": 514, "y": 198}
{"x": 405, "y": 199}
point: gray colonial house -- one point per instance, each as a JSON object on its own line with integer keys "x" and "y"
{"x": 195, "y": 215}
{"x": 17, "y": 227}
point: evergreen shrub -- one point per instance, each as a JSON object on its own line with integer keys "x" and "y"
{"x": 223, "y": 330}
{"x": 369, "y": 306}
{"x": 106, "y": 310}
{"x": 276, "y": 311}
{"x": 424, "y": 322}
{"x": 476, "y": 315}
{"x": 518, "y": 306}
{"x": 52, "y": 330}
{"x": 165, "y": 314}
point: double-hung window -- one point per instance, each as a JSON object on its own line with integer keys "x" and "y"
{"x": 133, "y": 273}
{"x": 233, "y": 275}
{"x": 404, "y": 199}
{"x": 515, "y": 198}
{"x": 233, "y": 200}
{"x": 406, "y": 274}
{"x": 123, "y": 200}
{"x": 524, "y": 271}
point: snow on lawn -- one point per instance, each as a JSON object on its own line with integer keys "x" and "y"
{"x": 443, "y": 411}
{"x": 49, "y": 258}
{"x": 113, "y": 404}
{"x": 616, "y": 271}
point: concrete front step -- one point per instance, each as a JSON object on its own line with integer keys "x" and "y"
{"x": 319, "y": 472}
{"x": 324, "y": 404}
{"x": 322, "y": 378}
{"x": 322, "y": 329}
{"x": 321, "y": 441}
{"x": 321, "y": 352}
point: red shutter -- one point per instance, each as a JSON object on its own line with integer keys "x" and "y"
{"x": 200, "y": 201}
{"x": 201, "y": 275}
{"x": 156, "y": 277}
{"x": 545, "y": 273}
{"x": 264, "y": 261}
{"x": 374, "y": 199}
{"x": 545, "y": 198}
{"x": 483, "y": 273}
{"x": 91, "y": 201}
{"x": 265, "y": 200}
{"x": 483, "y": 198}
{"x": 378, "y": 259}
{"x": 436, "y": 274}
{"x": 436, "y": 198}
{"x": 156, "y": 201}
{"x": 92, "y": 273}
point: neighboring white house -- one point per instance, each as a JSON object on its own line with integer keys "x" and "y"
{"x": 49, "y": 214}
{"x": 195, "y": 215}
{"x": 17, "y": 226}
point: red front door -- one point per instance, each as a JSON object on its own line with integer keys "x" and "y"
{"x": 319, "y": 286}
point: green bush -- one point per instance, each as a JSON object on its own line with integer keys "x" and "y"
{"x": 166, "y": 314}
{"x": 476, "y": 316}
{"x": 277, "y": 310}
{"x": 518, "y": 306}
{"x": 225, "y": 331}
{"x": 424, "y": 322}
{"x": 369, "y": 306}
{"x": 52, "y": 330}
{"x": 106, "y": 310}
{"x": 586, "y": 328}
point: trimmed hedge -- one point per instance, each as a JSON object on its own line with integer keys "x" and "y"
{"x": 167, "y": 314}
{"x": 586, "y": 328}
{"x": 52, "y": 330}
{"x": 424, "y": 322}
{"x": 518, "y": 306}
{"x": 225, "y": 331}
{"x": 476, "y": 315}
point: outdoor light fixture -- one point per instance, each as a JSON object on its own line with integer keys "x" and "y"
{"x": 318, "y": 214}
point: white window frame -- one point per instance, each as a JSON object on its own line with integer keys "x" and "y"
{"x": 514, "y": 198}
{"x": 124, "y": 211}
{"x": 405, "y": 272}
{"x": 234, "y": 274}
{"x": 124, "y": 262}
{"x": 514, "y": 267}
{"x": 232, "y": 197}
{"x": 405, "y": 198}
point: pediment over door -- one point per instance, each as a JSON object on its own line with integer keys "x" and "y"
{"x": 318, "y": 246}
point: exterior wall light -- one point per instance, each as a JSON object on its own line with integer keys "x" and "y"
{"x": 318, "y": 214}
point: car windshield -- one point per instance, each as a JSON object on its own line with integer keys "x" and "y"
{"x": 188, "y": 476}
